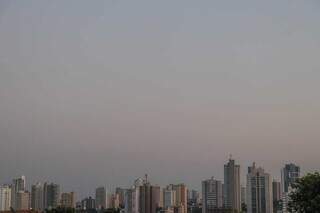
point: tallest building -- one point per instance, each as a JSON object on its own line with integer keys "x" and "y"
{"x": 18, "y": 185}
{"x": 232, "y": 185}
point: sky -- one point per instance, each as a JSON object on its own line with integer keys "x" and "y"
{"x": 101, "y": 92}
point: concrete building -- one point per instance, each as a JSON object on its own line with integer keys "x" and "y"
{"x": 232, "y": 194}
{"x": 5, "y": 197}
{"x": 243, "y": 195}
{"x": 51, "y": 195}
{"x": 120, "y": 192}
{"x": 114, "y": 201}
{"x": 259, "y": 191}
{"x": 193, "y": 196}
{"x": 18, "y": 184}
{"x": 169, "y": 198}
{"x": 289, "y": 174}
{"x": 37, "y": 197}
{"x": 88, "y": 204}
{"x": 68, "y": 200}
{"x": 149, "y": 198}
{"x": 22, "y": 201}
{"x": 101, "y": 198}
{"x": 276, "y": 195}
{"x": 211, "y": 195}
{"x": 181, "y": 195}
{"x": 132, "y": 197}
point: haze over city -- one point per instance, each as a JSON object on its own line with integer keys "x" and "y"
{"x": 101, "y": 92}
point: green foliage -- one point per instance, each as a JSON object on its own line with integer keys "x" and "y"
{"x": 305, "y": 197}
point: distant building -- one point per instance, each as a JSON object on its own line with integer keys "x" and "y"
{"x": 37, "y": 200}
{"x": 232, "y": 192}
{"x": 169, "y": 198}
{"x": 101, "y": 198}
{"x": 149, "y": 198}
{"x": 276, "y": 196}
{"x": 68, "y": 200}
{"x": 114, "y": 201}
{"x": 259, "y": 191}
{"x": 193, "y": 196}
{"x": 181, "y": 195}
{"x": 22, "y": 201}
{"x": 120, "y": 192}
{"x": 132, "y": 197}
{"x": 51, "y": 195}
{"x": 18, "y": 184}
{"x": 211, "y": 195}
{"x": 243, "y": 195}
{"x": 289, "y": 174}
{"x": 5, "y": 197}
{"x": 88, "y": 204}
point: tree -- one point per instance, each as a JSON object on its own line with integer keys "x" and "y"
{"x": 305, "y": 195}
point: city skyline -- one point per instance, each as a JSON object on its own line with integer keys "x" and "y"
{"x": 261, "y": 194}
{"x": 121, "y": 89}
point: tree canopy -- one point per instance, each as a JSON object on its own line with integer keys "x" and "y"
{"x": 305, "y": 195}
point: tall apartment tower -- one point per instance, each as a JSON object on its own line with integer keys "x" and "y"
{"x": 51, "y": 195}
{"x": 211, "y": 195}
{"x": 22, "y": 200}
{"x": 149, "y": 198}
{"x": 169, "y": 198}
{"x": 18, "y": 184}
{"x": 68, "y": 200}
{"x": 276, "y": 195}
{"x": 181, "y": 195}
{"x": 243, "y": 195}
{"x": 289, "y": 174}
{"x": 232, "y": 188}
{"x": 132, "y": 197}
{"x": 5, "y": 197}
{"x": 259, "y": 191}
{"x": 101, "y": 198}
{"x": 37, "y": 197}
{"x": 88, "y": 203}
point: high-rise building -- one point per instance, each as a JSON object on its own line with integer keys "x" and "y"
{"x": 114, "y": 201}
{"x": 149, "y": 198}
{"x": 276, "y": 195}
{"x": 243, "y": 195}
{"x": 5, "y": 197}
{"x": 211, "y": 195}
{"x": 231, "y": 189}
{"x": 51, "y": 195}
{"x": 128, "y": 200}
{"x": 68, "y": 200}
{"x": 120, "y": 192}
{"x": 37, "y": 197}
{"x": 169, "y": 198}
{"x": 18, "y": 184}
{"x": 132, "y": 197}
{"x": 193, "y": 196}
{"x": 181, "y": 195}
{"x": 101, "y": 198}
{"x": 289, "y": 174}
{"x": 88, "y": 203}
{"x": 22, "y": 201}
{"x": 259, "y": 191}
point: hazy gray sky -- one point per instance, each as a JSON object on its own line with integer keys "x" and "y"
{"x": 102, "y": 92}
